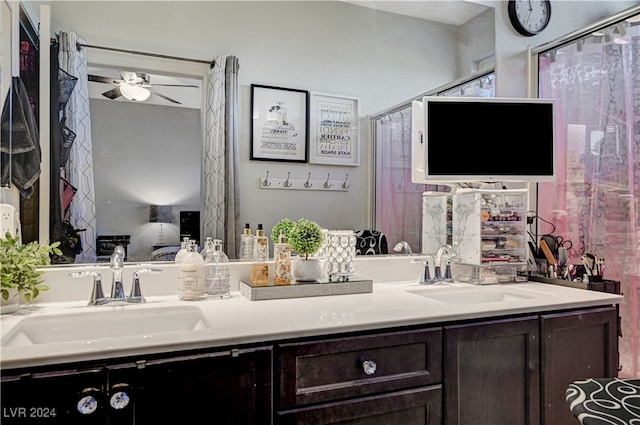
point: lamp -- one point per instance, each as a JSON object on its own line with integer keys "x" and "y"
{"x": 160, "y": 214}
{"x": 135, "y": 93}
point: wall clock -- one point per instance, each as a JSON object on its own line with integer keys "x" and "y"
{"x": 529, "y": 17}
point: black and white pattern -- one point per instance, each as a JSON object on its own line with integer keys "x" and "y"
{"x": 605, "y": 401}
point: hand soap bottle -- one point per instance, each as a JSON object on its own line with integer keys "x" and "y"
{"x": 190, "y": 274}
{"x": 184, "y": 247}
{"x": 246, "y": 244}
{"x": 260, "y": 267}
{"x": 216, "y": 265}
{"x": 282, "y": 261}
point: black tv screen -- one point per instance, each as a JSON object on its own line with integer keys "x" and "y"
{"x": 488, "y": 139}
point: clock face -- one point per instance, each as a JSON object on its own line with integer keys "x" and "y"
{"x": 529, "y": 17}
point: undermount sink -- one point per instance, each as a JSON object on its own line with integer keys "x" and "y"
{"x": 94, "y": 325}
{"x": 476, "y": 295}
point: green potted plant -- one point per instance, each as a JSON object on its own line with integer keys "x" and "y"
{"x": 305, "y": 237}
{"x": 18, "y": 269}
{"x": 285, "y": 224}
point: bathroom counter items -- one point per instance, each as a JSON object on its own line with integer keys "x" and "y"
{"x": 395, "y": 300}
{"x": 354, "y": 285}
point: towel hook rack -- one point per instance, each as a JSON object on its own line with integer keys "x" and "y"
{"x": 287, "y": 183}
{"x": 345, "y": 184}
{"x": 326, "y": 184}
{"x": 266, "y": 182}
{"x": 308, "y": 184}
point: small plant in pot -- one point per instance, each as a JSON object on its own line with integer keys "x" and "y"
{"x": 286, "y": 225}
{"x": 306, "y": 239}
{"x": 18, "y": 269}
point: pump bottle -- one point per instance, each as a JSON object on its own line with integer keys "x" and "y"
{"x": 216, "y": 266}
{"x": 260, "y": 267}
{"x": 246, "y": 244}
{"x": 282, "y": 261}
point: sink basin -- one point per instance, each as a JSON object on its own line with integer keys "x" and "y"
{"x": 88, "y": 326}
{"x": 476, "y": 295}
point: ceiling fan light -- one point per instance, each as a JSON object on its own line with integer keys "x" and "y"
{"x": 135, "y": 93}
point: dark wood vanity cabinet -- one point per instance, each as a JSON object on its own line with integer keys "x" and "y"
{"x": 511, "y": 370}
{"x": 230, "y": 387}
{"x": 492, "y": 371}
{"x": 384, "y": 378}
{"x": 575, "y": 346}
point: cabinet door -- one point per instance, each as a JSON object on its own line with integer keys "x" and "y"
{"x": 575, "y": 346}
{"x": 491, "y": 373}
{"x": 421, "y": 406}
{"x": 226, "y": 388}
{"x": 57, "y": 397}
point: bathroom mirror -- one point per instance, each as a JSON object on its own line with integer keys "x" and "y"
{"x": 147, "y": 120}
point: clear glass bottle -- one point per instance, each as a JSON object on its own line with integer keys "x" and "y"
{"x": 282, "y": 261}
{"x": 184, "y": 247}
{"x": 208, "y": 247}
{"x": 216, "y": 265}
{"x": 190, "y": 274}
{"x": 260, "y": 267}
{"x": 246, "y": 243}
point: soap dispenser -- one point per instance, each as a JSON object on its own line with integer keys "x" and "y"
{"x": 216, "y": 265}
{"x": 246, "y": 243}
{"x": 190, "y": 274}
{"x": 184, "y": 247}
{"x": 282, "y": 261}
{"x": 260, "y": 267}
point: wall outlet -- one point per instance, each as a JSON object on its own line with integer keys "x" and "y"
{"x": 7, "y": 219}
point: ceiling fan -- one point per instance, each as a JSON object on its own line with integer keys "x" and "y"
{"x": 135, "y": 86}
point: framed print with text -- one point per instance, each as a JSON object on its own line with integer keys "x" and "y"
{"x": 279, "y": 124}
{"x": 333, "y": 137}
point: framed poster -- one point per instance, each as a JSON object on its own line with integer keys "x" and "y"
{"x": 279, "y": 124}
{"x": 334, "y": 135}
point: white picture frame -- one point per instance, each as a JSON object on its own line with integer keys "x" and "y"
{"x": 334, "y": 136}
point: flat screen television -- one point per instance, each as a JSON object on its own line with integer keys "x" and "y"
{"x": 483, "y": 139}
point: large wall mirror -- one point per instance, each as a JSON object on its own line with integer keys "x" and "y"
{"x": 148, "y": 153}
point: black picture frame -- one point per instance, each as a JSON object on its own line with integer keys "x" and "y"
{"x": 279, "y": 124}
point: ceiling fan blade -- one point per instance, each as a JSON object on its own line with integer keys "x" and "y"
{"x": 107, "y": 80}
{"x": 129, "y": 76}
{"x": 113, "y": 93}
{"x": 163, "y": 96}
{"x": 169, "y": 85}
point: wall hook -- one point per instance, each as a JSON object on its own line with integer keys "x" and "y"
{"x": 308, "y": 184}
{"x": 326, "y": 184}
{"x": 266, "y": 182}
{"x": 345, "y": 184}
{"x": 287, "y": 183}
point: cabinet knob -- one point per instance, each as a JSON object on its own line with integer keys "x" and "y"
{"x": 369, "y": 367}
{"x": 87, "y": 405}
{"x": 119, "y": 400}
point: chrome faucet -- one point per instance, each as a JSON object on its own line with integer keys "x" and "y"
{"x": 403, "y": 245}
{"x": 116, "y": 264}
{"x": 451, "y": 253}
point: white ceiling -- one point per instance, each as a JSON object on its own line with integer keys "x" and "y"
{"x": 453, "y": 12}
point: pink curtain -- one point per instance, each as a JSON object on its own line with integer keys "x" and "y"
{"x": 595, "y": 203}
{"x": 398, "y": 200}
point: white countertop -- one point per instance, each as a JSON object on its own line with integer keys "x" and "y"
{"x": 236, "y": 320}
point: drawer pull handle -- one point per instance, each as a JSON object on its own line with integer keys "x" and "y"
{"x": 369, "y": 367}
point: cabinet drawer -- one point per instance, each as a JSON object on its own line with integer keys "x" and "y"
{"x": 331, "y": 369}
{"x": 420, "y": 406}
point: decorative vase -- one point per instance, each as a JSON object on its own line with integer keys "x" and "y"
{"x": 309, "y": 270}
{"x": 11, "y": 304}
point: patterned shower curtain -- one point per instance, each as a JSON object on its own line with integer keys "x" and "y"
{"x": 220, "y": 195}
{"x": 595, "y": 203}
{"x": 79, "y": 171}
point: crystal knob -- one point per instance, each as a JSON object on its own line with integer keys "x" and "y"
{"x": 119, "y": 400}
{"x": 369, "y": 367}
{"x": 87, "y": 405}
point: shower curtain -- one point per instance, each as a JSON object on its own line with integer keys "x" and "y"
{"x": 79, "y": 170}
{"x": 398, "y": 200}
{"x": 595, "y": 203}
{"x": 220, "y": 195}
